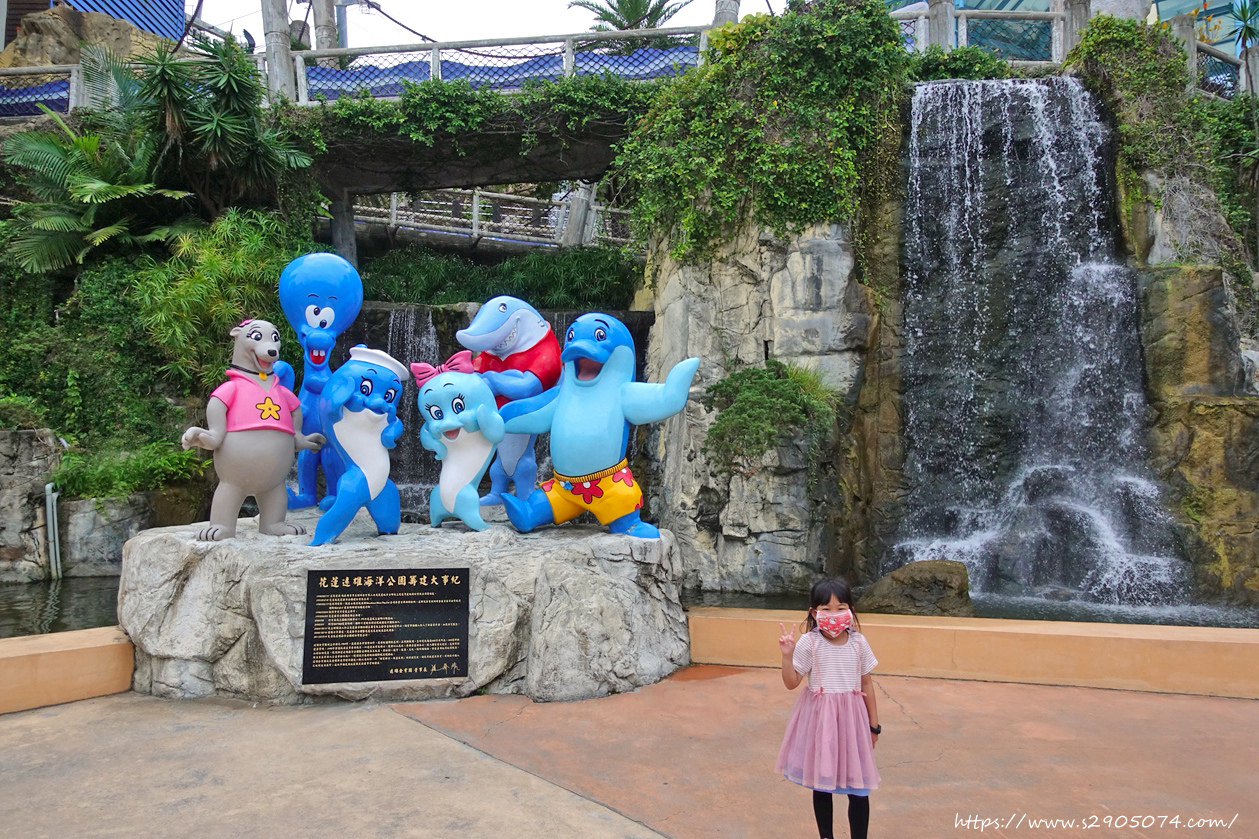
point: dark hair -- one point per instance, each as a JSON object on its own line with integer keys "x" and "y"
{"x": 821, "y": 594}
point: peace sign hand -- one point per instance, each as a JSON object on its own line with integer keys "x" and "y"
{"x": 787, "y": 643}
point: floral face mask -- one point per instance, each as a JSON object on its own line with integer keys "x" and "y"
{"x": 833, "y": 623}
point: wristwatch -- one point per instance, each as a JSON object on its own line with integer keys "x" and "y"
{"x": 876, "y": 729}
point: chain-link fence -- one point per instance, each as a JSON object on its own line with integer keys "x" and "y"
{"x": 506, "y": 64}
{"x": 1217, "y": 75}
{"x": 1012, "y": 40}
{"x": 913, "y": 26}
{"x": 640, "y": 59}
{"x": 23, "y": 90}
{"x": 611, "y": 227}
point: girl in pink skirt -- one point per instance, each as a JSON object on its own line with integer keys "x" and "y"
{"x": 829, "y": 746}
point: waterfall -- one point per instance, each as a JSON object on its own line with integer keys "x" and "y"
{"x": 1024, "y": 401}
{"x": 411, "y": 337}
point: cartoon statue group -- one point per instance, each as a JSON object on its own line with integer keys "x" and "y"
{"x": 480, "y": 413}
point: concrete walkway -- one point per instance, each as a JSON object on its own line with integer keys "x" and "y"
{"x": 690, "y": 757}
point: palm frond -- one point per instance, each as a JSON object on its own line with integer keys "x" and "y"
{"x": 58, "y": 222}
{"x": 109, "y": 82}
{"x": 119, "y": 228}
{"x": 46, "y": 250}
{"x": 41, "y": 151}
{"x": 97, "y": 191}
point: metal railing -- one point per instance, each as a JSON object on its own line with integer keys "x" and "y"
{"x": 503, "y": 64}
{"x": 1026, "y": 37}
{"x": 24, "y": 89}
{"x": 480, "y": 214}
{"x": 508, "y": 64}
{"x": 1212, "y": 71}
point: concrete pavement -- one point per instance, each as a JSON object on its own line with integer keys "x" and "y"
{"x": 687, "y": 758}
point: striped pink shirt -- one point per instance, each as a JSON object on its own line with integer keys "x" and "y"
{"x": 831, "y": 667}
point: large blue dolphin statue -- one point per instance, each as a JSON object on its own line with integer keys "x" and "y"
{"x": 518, "y": 358}
{"x": 359, "y": 408}
{"x": 589, "y": 416}
{"x": 321, "y": 294}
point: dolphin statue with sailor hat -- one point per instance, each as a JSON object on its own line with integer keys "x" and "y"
{"x": 359, "y": 410}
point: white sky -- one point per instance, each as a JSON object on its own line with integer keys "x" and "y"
{"x": 452, "y": 20}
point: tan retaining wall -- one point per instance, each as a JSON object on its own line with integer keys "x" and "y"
{"x": 1204, "y": 661}
{"x": 38, "y": 670}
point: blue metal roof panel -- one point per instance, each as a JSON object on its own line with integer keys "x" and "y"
{"x": 161, "y": 17}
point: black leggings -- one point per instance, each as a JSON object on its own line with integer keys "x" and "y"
{"x": 858, "y": 815}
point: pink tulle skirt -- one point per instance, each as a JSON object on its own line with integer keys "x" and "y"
{"x": 827, "y": 746}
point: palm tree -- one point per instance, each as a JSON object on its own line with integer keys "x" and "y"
{"x": 91, "y": 189}
{"x": 630, "y": 14}
{"x": 213, "y": 134}
{"x": 1246, "y": 31}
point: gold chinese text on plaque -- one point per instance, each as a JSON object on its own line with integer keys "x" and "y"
{"x": 374, "y": 625}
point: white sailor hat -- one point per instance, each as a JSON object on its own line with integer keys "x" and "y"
{"x": 380, "y": 357}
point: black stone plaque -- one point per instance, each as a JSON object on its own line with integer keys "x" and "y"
{"x": 375, "y": 626}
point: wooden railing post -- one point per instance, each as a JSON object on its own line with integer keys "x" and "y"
{"x": 76, "y": 94}
{"x": 578, "y": 211}
{"x": 1078, "y": 12}
{"x": 344, "y": 243}
{"x": 275, "y": 17}
{"x": 1058, "y": 31}
{"x": 299, "y": 70}
{"x": 1183, "y": 28}
{"x": 1249, "y": 69}
{"x": 727, "y": 12}
{"x": 940, "y": 24}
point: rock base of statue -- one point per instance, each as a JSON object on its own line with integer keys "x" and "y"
{"x": 565, "y": 613}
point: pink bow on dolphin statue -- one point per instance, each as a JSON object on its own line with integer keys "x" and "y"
{"x": 460, "y": 362}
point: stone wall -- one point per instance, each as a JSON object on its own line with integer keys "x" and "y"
{"x": 795, "y": 300}
{"x": 55, "y": 37}
{"x": 872, "y": 474}
{"x": 26, "y": 459}
{"x": 1204, "y": 437}
{"x": 93, "y": 531}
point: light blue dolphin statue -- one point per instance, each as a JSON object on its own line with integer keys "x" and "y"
{"x": 462, "y": 426}
{"x": 589, "y": 416}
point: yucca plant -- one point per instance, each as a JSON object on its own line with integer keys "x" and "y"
{"x": 212, "y": 133}
{"x": 1246, "y": 31}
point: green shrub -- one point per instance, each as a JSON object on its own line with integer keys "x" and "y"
{"x": 116, "y": 474}
{"x": 758, "y": 407}
{"x": 90, "y": 369}
{"x": 1140, "y": 73}
{"x": 572, "y": 278}
{"x": 214, "y": 279}
{"x": 443, "y": 113}
{"x": 20, "y": 412}
{"x": 934, "y": 64}
{"x": 789, "y": 122}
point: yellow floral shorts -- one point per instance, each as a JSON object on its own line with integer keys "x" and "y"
{"x": 610, "y": 494}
